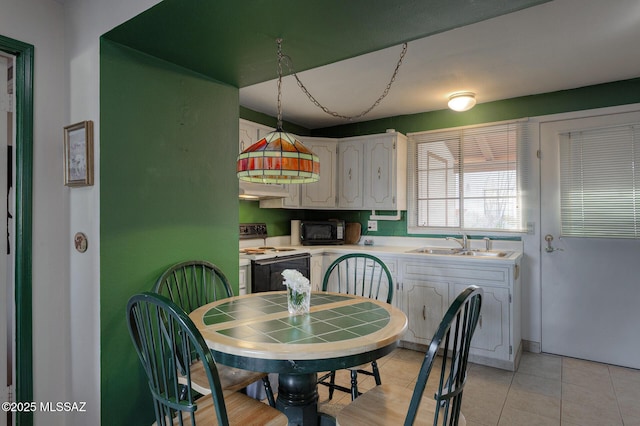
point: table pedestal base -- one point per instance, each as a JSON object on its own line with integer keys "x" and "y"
{"x": 298, "y": 398}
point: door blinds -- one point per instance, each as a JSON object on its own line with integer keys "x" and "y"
{"x": 600, "y": 182}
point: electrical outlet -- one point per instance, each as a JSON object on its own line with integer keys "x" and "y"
{"x": 372, "y": 225}
{"x": 531, "y": 228}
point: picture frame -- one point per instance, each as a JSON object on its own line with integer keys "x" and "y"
{"x": 78, "y": 154}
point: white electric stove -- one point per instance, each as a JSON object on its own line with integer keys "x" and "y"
{"x": 268, "y": 262}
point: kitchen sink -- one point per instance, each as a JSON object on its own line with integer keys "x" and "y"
{"x": 460, "y": 252}
{"x": 491, "y": 253}
{"x": 434, "y": 250}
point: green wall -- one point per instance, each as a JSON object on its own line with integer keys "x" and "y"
{"x": 168, "y": 141}
{"x": 583, "y": 98}
{"x": 277, "y": 220}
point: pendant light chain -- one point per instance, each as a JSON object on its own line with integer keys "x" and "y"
{"x": 315, "y": 101}
{"x": 278, "y": 157}
{"x": 280, "y": 57}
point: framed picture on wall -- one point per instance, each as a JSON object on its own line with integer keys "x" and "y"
{"x": 78, "y": 154}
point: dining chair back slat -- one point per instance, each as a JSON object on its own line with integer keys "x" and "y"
{"x": 192, "y": 284}
{"x": 456, "y": 330}
{"x": 359, "y": 274}
{"x": 363, "y": 275}
{"x": 163, "y": 333}
{"x": 392, "y": 404}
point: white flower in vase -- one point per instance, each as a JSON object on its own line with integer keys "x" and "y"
{"x": 298, "y": 291}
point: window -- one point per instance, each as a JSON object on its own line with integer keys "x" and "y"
{"x": 469, "y": 178}
{"x": 600, "y": 182}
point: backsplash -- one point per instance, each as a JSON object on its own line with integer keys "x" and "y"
{"x": 279, "y": 221}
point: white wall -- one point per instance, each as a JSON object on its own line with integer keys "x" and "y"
{"x": 86, "y": 21}
{"x": 40, "y": 23}
{"x": 66, "y": 284}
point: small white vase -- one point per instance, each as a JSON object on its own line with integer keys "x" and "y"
{"x": 298, "y": 302}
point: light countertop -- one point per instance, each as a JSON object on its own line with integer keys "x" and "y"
{"x": 402, "y": 247}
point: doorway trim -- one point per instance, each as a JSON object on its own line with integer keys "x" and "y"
{"x": 24, "y": 55}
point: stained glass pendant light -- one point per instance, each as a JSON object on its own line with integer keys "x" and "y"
{"x": 278, "y": 157}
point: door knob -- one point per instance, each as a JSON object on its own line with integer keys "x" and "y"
{"x": 549, "y": 248}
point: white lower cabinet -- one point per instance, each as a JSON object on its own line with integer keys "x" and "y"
{"x": 491, "y": 338}
{"x": 424, "y": 303}
{"x": 427, "y": 288}
{"x": 317, "y": 271}
{"x": 243, "y": 280}
{"x": 390, "y": 262}
{"x": 392, "y": 266}
{"x": 424, "y": 289}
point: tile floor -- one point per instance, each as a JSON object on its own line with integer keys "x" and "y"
{"x": 546, "y": 390}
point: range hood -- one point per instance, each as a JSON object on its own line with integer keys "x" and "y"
{"x": 261, "y": 191}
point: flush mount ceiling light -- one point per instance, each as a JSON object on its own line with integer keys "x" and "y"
{"x": 462, "y": 101}
{"x": 278, "y": 157}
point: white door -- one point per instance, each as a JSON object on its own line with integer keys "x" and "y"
{"x": 590, "y": 286}
{"x": 6, "y": 292}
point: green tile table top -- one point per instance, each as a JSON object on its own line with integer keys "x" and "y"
{"x": 260, "y": 326}
{"x": 330, "y": 325}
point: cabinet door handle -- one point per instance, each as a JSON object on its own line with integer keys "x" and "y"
{"x": 379, "y": 172}
{"x": 349, "y": 174}
{"x": 424, "y": 317}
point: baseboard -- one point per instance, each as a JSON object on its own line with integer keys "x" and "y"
{"x": 530, "y": 346}
{"x": 413, "y": 346}
{"x": 478, "y": 359}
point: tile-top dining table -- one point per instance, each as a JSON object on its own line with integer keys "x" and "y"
{"x": 256, "y": 332}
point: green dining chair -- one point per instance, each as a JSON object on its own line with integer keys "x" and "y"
{"x": 195, "y": 283}
{"x": 395, "y": 405}
{"x": 363, "y": 275}
{"x": 163, "y": 335}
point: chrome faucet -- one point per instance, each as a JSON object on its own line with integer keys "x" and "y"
{"x": 463, "y": 241}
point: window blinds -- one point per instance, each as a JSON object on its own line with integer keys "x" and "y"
{"x": 600, "y": 182}
{"x": 468, "y": 178}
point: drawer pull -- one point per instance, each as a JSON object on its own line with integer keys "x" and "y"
{"x": 424, "y": 317}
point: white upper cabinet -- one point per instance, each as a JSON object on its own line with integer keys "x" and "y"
{"x": 381, "y": 165}
{"x": 292, "y": 199}
{"x": 321, "y": 194}
{"x": 350, "y": 174}
{"x": 385, "y": 169}
{"x": 358, "y": 173}
{"x": 250, "y": 133}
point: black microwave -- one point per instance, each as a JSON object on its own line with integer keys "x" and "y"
{"x": 319, "y": 232}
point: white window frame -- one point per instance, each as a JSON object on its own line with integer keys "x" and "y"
{"x": 522, "y": 164}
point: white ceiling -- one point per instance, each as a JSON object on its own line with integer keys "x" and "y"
{"x": 558, "y": 45}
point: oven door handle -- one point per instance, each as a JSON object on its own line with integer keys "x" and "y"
{"x": 280, "y": 259}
